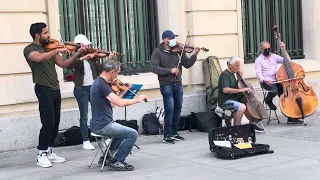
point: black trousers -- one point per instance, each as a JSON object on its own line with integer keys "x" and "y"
{"x": 277, "y": 88}
{"x": 49, "y": 108}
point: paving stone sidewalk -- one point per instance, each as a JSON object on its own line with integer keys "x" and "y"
{"x": 296, "y": 157}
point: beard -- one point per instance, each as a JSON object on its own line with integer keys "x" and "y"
{"x": 44, "y": 41}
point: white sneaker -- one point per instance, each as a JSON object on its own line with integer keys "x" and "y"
{"x": 54, "y": 158}
{"x": 43, "y": 161}
{"x": 88, "y": 146}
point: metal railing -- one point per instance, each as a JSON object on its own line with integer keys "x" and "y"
{"x": 126, "y": 26}
{"x": 258, "y": 19}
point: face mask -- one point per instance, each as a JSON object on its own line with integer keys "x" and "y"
{"x": 266, "y": 52}
{"x": 172, "y": 43}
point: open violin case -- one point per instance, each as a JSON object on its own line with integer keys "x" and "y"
{"x": 233, "y": 142}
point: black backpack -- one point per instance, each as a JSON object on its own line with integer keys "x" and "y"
{"x": 150, "y": 124}
{"x": 129, "y": 123}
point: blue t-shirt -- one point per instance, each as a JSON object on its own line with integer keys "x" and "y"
{"x": 102, "y": 113}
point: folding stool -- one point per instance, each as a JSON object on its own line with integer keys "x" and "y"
{"x": 101, "y": 140}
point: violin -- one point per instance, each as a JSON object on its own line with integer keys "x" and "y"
{"x": 298, "y": 100}
{"x": 188, "y": 49}
{"x": 101, "y": 53}
{"x": 55, "y": 44}
{"x": 255, "y": 110}
{"x": 117, "y": 86}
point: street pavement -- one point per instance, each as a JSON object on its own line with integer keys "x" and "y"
{"x": 296, "y": 156}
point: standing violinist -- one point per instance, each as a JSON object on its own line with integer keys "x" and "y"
{"x": 227, "y": 90}
{"x": 86, "y": 69}
{"x": 47, "y": 89}
{"x": 266, "y": 70}
{"x": 164, "y": 62}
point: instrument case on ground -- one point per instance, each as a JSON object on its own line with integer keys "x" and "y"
{"x": 236, "y": 135}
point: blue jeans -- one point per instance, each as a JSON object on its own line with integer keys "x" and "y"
{"x": 124, "y": 139}
{"x": 83, "y": 98}
{"x": 172, "y": 101}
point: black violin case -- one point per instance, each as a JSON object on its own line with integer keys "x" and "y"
{"x": 237, "y": 135}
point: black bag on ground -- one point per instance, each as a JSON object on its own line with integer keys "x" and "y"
{"x": 186, "y": 123}
{"x": 71, "y": 136}
{"x": 205, "y": 121}
{"x": 129, "y": 123}
{"x": 244, "y": 134}
{"x": 150, "y": 124}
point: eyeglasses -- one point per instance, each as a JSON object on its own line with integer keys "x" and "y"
{"x": 268, "y": 49}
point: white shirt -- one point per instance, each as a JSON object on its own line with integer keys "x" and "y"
{"x": 88, "y": 78}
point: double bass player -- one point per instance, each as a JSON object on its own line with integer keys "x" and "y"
{"x": 266, "y": 70}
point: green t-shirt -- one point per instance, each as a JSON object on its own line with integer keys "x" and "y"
{"x": 43, "y": 73}
{"x": 226, "y": 79}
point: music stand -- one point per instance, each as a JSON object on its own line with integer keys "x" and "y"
{"x": 130, "y": 94}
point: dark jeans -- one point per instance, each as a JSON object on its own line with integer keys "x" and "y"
{"x": 82, "y": 96}
{"x": 123, "y": 142}
{"x": 49, "y": 108}
{"x": 172, "y": 100}
{"x": 278, "y": 90}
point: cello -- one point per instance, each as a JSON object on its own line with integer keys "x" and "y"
{"x": 298, "y": 100}
{"x": 255, "y": 110}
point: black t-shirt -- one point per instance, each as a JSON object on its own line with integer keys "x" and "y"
{"x": 102, "y": 113}
{"x": 226, "y": 79}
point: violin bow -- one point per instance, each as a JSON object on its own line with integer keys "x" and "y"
{"x": 185, "y": 43}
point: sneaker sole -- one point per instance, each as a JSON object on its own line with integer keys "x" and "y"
{"x": 177, "y": 139}
{"x": 118, "y": 169}
{"x": 168, "y": 142}
{"x": 56, "y": 161}
{"x": 294, "y": 122}
{"x": 48, "y": 166}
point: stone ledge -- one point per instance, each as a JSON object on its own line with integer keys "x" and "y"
{"x": 22, "y": 132}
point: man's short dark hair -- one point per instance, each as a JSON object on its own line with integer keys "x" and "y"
{"x": 110, "y": 65}
{"x": 36, "y": 28}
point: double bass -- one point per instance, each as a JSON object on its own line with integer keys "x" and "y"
{"x": 255, "y": 110}
{"x": 298, "y": 100}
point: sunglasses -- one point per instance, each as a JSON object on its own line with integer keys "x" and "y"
{"x": 268, "y": 49}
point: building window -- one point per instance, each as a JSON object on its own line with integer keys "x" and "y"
{"x": 126, "y": 26}
{"x": 258, "y": 19}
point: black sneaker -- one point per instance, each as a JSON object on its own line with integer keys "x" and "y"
{"x": 168, "y": 140}
{"x": 257, "y": 129}
{"x": 272, "y": 106}
{"x": 177, "y": 137}
{"x": 120, "y": 166}
{"x": 108, "y": 159}
{"x": 294, "y": 121}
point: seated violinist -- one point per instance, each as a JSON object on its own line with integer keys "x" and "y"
{"x": 86, "y": 69}
{"x": 103, "y": 99}
{"x": 227, "y": 90}
{"x": 266, "y": 70}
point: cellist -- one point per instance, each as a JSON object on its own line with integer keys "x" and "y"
{"x": 266, "y": 70}
{"x": 227, "y": 90}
